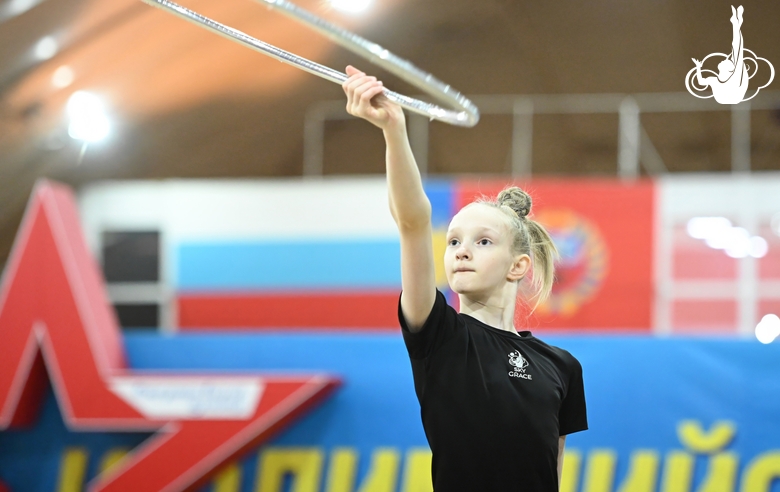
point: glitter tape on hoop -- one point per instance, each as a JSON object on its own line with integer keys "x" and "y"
{"x": 466, "y": 113}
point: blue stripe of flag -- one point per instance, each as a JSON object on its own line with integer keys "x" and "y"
{"x": 227, "y": 266}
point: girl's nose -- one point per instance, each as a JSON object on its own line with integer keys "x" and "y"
{"x": 462, "y": 253}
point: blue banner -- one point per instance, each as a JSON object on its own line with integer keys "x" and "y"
{"x": 667, "y": 415}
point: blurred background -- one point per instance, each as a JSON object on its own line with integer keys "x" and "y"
{"x": 238, "y": 216}
{"x": 184, "y": 103}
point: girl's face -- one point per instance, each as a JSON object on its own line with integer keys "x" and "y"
{"x": 479, "y": 257}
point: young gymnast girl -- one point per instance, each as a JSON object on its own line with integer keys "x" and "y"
{"x": 496, "y": 404}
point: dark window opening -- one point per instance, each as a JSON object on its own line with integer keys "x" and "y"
{"x": 131, "y": 256}
{"x": 144, "y": 316}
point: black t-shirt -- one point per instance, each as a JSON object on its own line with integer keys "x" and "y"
{"x": 493, "y": 403}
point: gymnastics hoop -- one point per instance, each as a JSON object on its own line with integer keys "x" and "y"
{"x": 465, "y": 112}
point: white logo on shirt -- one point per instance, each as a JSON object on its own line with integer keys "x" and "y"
{"x": 520, "y": 363}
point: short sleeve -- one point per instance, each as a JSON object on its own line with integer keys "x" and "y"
{"x": 441, "y": 323}
{"x": 573, "y": 416}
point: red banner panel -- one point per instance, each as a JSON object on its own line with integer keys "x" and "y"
{"x": 604, "y": 231}
{"x": 769, "y": 265}
{"x": 704, "y": 316}
{"x": 692, "y": 259}
{"x": 768, "y": 306}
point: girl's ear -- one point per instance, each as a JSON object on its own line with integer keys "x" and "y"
{"x": 519, "y": 268}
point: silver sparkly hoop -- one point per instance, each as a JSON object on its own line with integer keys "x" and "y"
{"x": 465, "y": 112}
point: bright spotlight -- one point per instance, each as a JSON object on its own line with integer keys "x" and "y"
{"x": 350, "y": 6}
{"x": 758, "y": 247}
{"x": 16, "y": 7}
{"x": 718, "y": 233}
{"x": 768, "y": 329}
{"x": 46, "y": 48}
{"x": 62, "y": 77}
{"x": 88, "y": 120}
{"x": 705, "y": 227}
{"x": 733, "y": 238}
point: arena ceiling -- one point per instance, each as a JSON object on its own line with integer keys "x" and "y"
{"x": 186, "y": 103}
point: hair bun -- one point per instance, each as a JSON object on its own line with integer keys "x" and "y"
{"x": 516, "y": 199}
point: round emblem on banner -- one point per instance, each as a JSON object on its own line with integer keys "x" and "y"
{"x": 584, "y": 261}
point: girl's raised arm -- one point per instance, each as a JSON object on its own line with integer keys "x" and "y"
{"x": 409, "y": 205}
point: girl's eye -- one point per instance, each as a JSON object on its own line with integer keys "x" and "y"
{"x": 484, "y": 242}
{"x": 453, "y": 242}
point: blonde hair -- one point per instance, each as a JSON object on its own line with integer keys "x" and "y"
{"x": 530, "y": 238}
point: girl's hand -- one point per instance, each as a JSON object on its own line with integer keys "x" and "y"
{"x": 365, "y": 100}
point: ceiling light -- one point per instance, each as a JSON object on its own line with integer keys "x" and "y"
{"x": 46, "y": 48}
{"x": 718, "y": 233}
{"x": 88, "y": 120}
{"x": 758, "y": 247}
{"x": 768, "y": 329}
{"x": 731, "y": 238}
{"x": 16, "y": 7}
{"x": 62, "y": 77}
{"x": 350, "y": 6}
{"x": 704, "y": 227}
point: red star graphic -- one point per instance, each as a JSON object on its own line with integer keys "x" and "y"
{"x": 55, "y": 316}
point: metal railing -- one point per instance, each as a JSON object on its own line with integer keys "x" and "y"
{"x": 635, "y": 147}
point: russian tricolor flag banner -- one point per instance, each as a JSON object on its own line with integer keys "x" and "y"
{"x": 324, "y": 255}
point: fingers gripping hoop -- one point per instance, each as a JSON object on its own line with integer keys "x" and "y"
{"x": 464, "y": 112}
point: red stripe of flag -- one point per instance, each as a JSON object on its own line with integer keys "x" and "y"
{"x": 340, "y": 310}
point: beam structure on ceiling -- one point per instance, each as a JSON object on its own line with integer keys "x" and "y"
{"x": 635, "y": 148}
